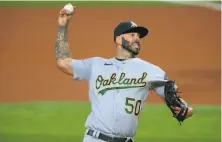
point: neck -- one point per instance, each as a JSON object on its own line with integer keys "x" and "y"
{"x": 123, "y": 54}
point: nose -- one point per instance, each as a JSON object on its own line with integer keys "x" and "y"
{"x": 137, "y": 40}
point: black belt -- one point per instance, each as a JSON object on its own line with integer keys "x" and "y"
{"x": 108, "y": 138}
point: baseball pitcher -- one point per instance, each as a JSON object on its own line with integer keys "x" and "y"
{"x": 119, "y": 86}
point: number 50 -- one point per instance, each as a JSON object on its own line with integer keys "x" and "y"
{"x": 133, "y": 106}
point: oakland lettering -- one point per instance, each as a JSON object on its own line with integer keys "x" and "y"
{"x": 122, "y": 81}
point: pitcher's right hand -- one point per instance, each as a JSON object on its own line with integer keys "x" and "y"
{"x": 65, "y": 18}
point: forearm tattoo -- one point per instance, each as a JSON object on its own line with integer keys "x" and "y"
{"x": 62, "y": 50}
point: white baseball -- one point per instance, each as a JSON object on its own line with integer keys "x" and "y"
{"x": 69, "y": 8}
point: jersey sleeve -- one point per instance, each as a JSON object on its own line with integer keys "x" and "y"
{"x": 159, "y": 76}
{"x": 82, "y": 69}
{"x": 162, "y": 76}
{"x": 159, "y": 91}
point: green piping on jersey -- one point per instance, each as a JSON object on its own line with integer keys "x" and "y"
{"x": 102, "y": 92}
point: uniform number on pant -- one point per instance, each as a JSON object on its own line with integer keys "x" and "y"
{"x": 132, "y": 106}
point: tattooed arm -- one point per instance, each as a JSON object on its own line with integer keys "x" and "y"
{"x": 62, "y": 51}
{"x": 79, "y": 69}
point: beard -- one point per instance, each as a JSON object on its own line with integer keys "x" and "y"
{"x": 129, "y": 46}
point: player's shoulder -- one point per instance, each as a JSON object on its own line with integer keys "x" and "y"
{"x": 149, "y": 65}
{"x": 99, "y": 60}
{"x": 154, "y": 70}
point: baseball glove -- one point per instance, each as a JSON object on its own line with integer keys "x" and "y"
{"x": 173, "y": 100}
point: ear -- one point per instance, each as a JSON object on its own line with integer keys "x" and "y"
{"x": 118, "y": 40}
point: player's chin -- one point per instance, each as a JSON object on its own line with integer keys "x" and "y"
{"x": 136, "y": 50}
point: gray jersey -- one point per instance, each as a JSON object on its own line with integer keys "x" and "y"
{"x": 117, "y": 92}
